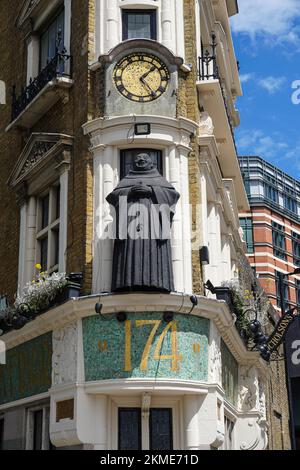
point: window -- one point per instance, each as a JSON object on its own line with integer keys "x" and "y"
{"x": 296, "y": 248}
{"x": 1, "y": 433}
{"x": 279, "y": 248}
{"x": 37, "y": 435}
{"x": 271, "y": 192}
{"x": 286, "y": 296}
{"x": 229, "y": 374}
{"x": 48, "y": 222}
{"x": 52, "y": 38}
{"x": 298, "y": 292}
{"x": 160, "y": 432}
{"x": 229, "y": 429}
{"x": 247, "y": 226}
{"x": 290, "y": 203}
{"x": 128, "y": 156}
{"x": 139, "y": 24}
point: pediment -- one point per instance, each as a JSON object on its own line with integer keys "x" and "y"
{"x": 26, "y": 11}
{"x": 40, "y": 150}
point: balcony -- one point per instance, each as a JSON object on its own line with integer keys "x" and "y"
{"x": 41, "y": 93}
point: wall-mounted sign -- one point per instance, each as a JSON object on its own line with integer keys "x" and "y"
{"x": 146, "y": 346}
{"x": 281, "y": 330}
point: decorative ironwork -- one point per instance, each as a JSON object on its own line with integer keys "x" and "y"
{"x": 54, "y": 68}
{"x": 208, "y": 68}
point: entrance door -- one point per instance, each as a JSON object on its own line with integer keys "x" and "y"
{"x": 159, "y": 432}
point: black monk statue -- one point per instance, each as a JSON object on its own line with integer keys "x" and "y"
{"x": 144, "y": 204}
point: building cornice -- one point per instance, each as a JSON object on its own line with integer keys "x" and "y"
{"x": 83, "y": 307}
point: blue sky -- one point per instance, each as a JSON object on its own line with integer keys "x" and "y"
{"x": 266, "y": 35}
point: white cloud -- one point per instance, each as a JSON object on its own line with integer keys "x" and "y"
{"x": 246, "y": 77}
{"x": 267, "y": 17}
{"x": 272, "y": 84}
{"x": 255, "y": 142}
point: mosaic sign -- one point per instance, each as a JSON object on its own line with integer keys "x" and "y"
{"x": 27, "y": 371}
{"x": 146, "y": 346}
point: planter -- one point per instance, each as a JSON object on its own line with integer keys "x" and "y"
{"x": 72, "y": 290}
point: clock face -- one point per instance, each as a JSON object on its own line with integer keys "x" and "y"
{"x": 141, "y": 77}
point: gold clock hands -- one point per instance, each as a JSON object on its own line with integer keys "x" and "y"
{"x": 147, "y": 86}
{"x": 147, "y": 73}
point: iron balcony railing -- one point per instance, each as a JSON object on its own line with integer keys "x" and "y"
{"x": 207, "y": 63}
{"x": 55, "y": 68}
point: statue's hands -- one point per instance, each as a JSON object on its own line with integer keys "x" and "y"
{"x": 141, "y": 190}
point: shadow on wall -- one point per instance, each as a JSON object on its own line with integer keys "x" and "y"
{"x": 2, "y": 92}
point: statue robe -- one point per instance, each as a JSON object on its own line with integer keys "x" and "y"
{"x": 143, "y": 263}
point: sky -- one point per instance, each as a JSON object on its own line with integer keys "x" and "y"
{"x": 266, "y": 36}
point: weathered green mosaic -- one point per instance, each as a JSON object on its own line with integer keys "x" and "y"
{"x": 27, "y": 371}
{"x": 146, "y": 346}
{"x": 230, "y": 374}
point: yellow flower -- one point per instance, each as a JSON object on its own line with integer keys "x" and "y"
{"x": 38, "y": 266}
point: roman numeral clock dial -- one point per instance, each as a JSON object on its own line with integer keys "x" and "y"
{"x": 141, "y": 77}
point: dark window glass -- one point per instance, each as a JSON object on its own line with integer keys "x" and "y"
{"x": 49, "y": 40}
{"x": 296, "y": 248}
{"x": 298, "y": 292}
{"x": 128, "y": 156}
{"x": 44, "y": 254}
{"x": 130, "y": 429}
{"x": 161, "y": 429}
{"x": 139, "y": 24}
{"x": 279, "y": 247}
{"x": 290, "y": 203}
{"x": 247, "y": 226}
{"x": 1, "y": 433}
{"x": 45, "y": 211}
{"x": 286, "y": 293}
{"x": 38, "y": 430}
{"x": 271, "y": 193}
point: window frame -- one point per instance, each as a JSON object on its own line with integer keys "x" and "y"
{"x": 247, "y": 226}
{"x": 296, "y": 248}
{"x": 279, "y": 241}
{"x": 49, "y": 232}
{"x": 30, "y": 427}
{"x": 152, "y": 12}
{"x": 229, "y": 443}
{"x": 46, "y": 27}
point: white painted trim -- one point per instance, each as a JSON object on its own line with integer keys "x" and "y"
{"x": 63, "y": 225}
{"x": 33, "y": 57}
{"x": 24, "y": 401}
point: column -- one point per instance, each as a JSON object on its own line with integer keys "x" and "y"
{"x": 168, "y": 24}
{"x": 226, "y": 258}
{"x": 30, "y": 251}
{"x": 105, "y": 166}
{"x": 179, "y": 18}
{"x": 214, "y": 244}
{"x": 112, "y": 22}
{"x": 186, "y": 222}
{"x": 173, "y": 169}
{"x": 63, "y": 227}
{"x": 191, "y": 422}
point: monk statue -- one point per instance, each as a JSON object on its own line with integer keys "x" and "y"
{"x": 144, "y": 204}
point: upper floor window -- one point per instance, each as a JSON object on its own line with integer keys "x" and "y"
{"x": 247, "y": 226}
{"x": 296, "y": 248}
{"x": 52, "y": 39}
{"x": 139, "y": 24}
{"x": 271, "y": 193}
{"x": 229, "y": 432}
{"x": 285, "y": 290}
{"x": 279, "y": 246}
{"x": 290, "y": 203}
{"x": 37, "y": 435}
{"x": 48, "y": 221}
